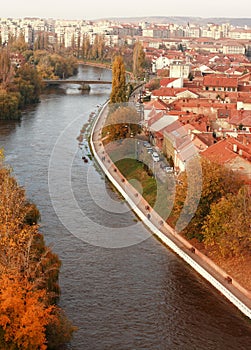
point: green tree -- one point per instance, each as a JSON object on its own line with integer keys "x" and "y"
{"x": 118, "y": 94}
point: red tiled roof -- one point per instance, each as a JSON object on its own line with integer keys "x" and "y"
{"x": 164, "y": 91}
{"x": 223, "y": 151}
{"x": 157, "y": 104}
{"x": 166, "y": 81}
{"x": 241, "y": 117}
{"x": 220, "y": 81}
{"x": 219, "y": 153}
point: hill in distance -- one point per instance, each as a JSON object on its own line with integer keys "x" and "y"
{"x": 237, "y": 22}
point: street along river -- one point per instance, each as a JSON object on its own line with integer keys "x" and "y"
{"x": 130, "y": 296}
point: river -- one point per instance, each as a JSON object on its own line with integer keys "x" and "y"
{"x": 138, "y": 295}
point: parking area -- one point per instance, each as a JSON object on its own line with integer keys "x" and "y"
{"x": 155, "y": 160}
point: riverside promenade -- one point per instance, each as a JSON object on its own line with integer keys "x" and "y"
{"x": 224, "y": 283}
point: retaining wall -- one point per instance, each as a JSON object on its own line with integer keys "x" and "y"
{"x": 201, "y": 263}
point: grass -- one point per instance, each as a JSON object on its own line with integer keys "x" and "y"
{"x": 136, "y": 172}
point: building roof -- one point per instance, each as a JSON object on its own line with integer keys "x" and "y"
{"x": 157, "y": 104}
{"x": 241, "y": 117}
{"x": 167, "y": 81}
{"x": 220, "y": 81}
{"x": 226, "y": 150}
{"x": 163, "y": 122}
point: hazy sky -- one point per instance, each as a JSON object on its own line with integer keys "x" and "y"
{"x": 83, "y": 9}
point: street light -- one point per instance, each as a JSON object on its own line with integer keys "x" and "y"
{"x": 137, "y": 150}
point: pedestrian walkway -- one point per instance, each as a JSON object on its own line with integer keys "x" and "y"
{"x": 240, "y": 297}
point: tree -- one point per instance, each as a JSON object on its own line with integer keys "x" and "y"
{"x": 227, "y": 227}
{"x": 19, "y": 43}
{"x": 23, "y": 313}
{"x": 28, "y": 274}
{"x": 9, "y": 105}
{"x": 6, "y": 69}
{"x": 217, "y": 182}
{"x": 28, "y": 83}
{"x": 153, "y": 84}
{"x": 119, "y": 123}
{"x": 138, "y": 60}
{"x": 86, "y": 46}
{"x": 97, "y": 49}
{"x": 118, "y": 94}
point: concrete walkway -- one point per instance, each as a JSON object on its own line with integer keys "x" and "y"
{"x": 230, "y": 288}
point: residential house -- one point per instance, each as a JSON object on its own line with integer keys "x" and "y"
{"x": 178, "y": 145}
{"x": 232, "y": 154}
{"x": 215, "y": 82}
{"x": 172, "y": 94}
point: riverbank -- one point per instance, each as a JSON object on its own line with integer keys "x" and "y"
{"x": 96, "y": 64}
{"x": 224, "y": 283}
{"x": 102, "y": 65}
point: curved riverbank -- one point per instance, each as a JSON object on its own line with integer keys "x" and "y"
{"x": 224, "y": 283}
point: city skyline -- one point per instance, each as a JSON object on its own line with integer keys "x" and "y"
{"x": 110, "y": 9}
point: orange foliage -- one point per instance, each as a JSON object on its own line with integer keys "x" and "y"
{"x": 23, "y": 312}
{"x": 28, "y": 273}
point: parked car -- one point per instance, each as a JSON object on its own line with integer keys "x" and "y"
{"x": 149, "y": 150}
{"x": 168, "y": 169}
{"x": 155, "y": 157}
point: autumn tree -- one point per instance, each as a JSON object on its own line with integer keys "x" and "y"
{"x": 97, "y": 49}
{"x": 217, "y": 182}
{"x": 118, "y": 94}
{"x": 24, "y": 314}
{"x": 138, "y": 60}
{"x": 28, "y": 84}
{"x": 41, "y": 41}
{"x": 19, "y": 44}
{"x": 153, "y": 84}
{"x": 121, "y": 122}
{"x": 9, "y": 105}
{"x": 6, "y": 69}
{"x": 86, "y": 46}
{"x": 228, "y": 225}
{"x": 28, "y": 274}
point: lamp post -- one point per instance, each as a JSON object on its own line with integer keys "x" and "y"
{"x": 137, "y": 150}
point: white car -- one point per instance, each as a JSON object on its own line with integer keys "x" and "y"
{"x": 155, "y": 157}
{"x": 168, "y": 169}
{"x": 149, "y": 149}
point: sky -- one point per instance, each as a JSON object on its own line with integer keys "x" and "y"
{"x": 84, "y": 9}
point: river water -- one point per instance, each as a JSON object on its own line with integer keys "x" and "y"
{"x": 133, "y": 296}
